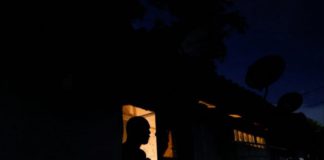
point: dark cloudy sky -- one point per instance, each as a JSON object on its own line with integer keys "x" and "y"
{"x": 293, "y": 29}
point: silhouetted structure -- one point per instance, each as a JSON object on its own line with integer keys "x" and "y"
{"x": 241, "y": 125}
{"x": 82, "y": 61}
{"x": 265, "y": 72}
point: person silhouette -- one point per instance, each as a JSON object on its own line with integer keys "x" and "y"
{"x": 138, "y": 133}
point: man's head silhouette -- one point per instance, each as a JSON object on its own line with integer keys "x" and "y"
{"x": 138, "y": 130}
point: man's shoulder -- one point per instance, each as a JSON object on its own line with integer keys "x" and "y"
{"x": 132, "y": 154}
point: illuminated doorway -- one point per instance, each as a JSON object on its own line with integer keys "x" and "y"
{"x": 130, "y": 111}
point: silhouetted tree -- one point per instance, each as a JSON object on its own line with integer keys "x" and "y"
{"x": 185, "y": 51}
{"x": 180, "y": 58}
{"x": 211, "y": 17}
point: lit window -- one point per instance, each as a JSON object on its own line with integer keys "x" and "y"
{"x": 240, "y": 136}
{"x": 245, "y": 137}
{"x": 251, "y": 138}
{"x": 235, "y": 135}
{"x": 258, "y": 139}
{"x": 263, "y": 141}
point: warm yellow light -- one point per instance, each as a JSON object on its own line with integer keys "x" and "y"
{"x": 251, "y": 140}
{"x": 208, "y": 105}
{"x": 130, "y": 111}
{"x": 235, "y": 115}
{"x": 169, "y": 151}
{"x": 260, "y": 140}
{"x": 235, "y": 135}
{"x": 263, "y": 141}
{"x": 240, "y": 136}
{"x": 245, "y": 137}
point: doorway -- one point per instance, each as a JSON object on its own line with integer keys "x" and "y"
{"x": 130, "y": 111}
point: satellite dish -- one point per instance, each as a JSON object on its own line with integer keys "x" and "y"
{"x": 290, "y": 102}
{"x": 264, "y": 72}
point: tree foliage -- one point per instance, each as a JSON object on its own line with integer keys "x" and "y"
{"x": 203, "y": 22}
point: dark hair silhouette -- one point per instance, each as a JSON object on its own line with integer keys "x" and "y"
{"x": 138, "y": 133}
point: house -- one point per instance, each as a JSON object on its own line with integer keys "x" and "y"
{"x": 226, "y": 122}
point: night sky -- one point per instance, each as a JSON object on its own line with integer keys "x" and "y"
{"x": 293, "y": 29}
